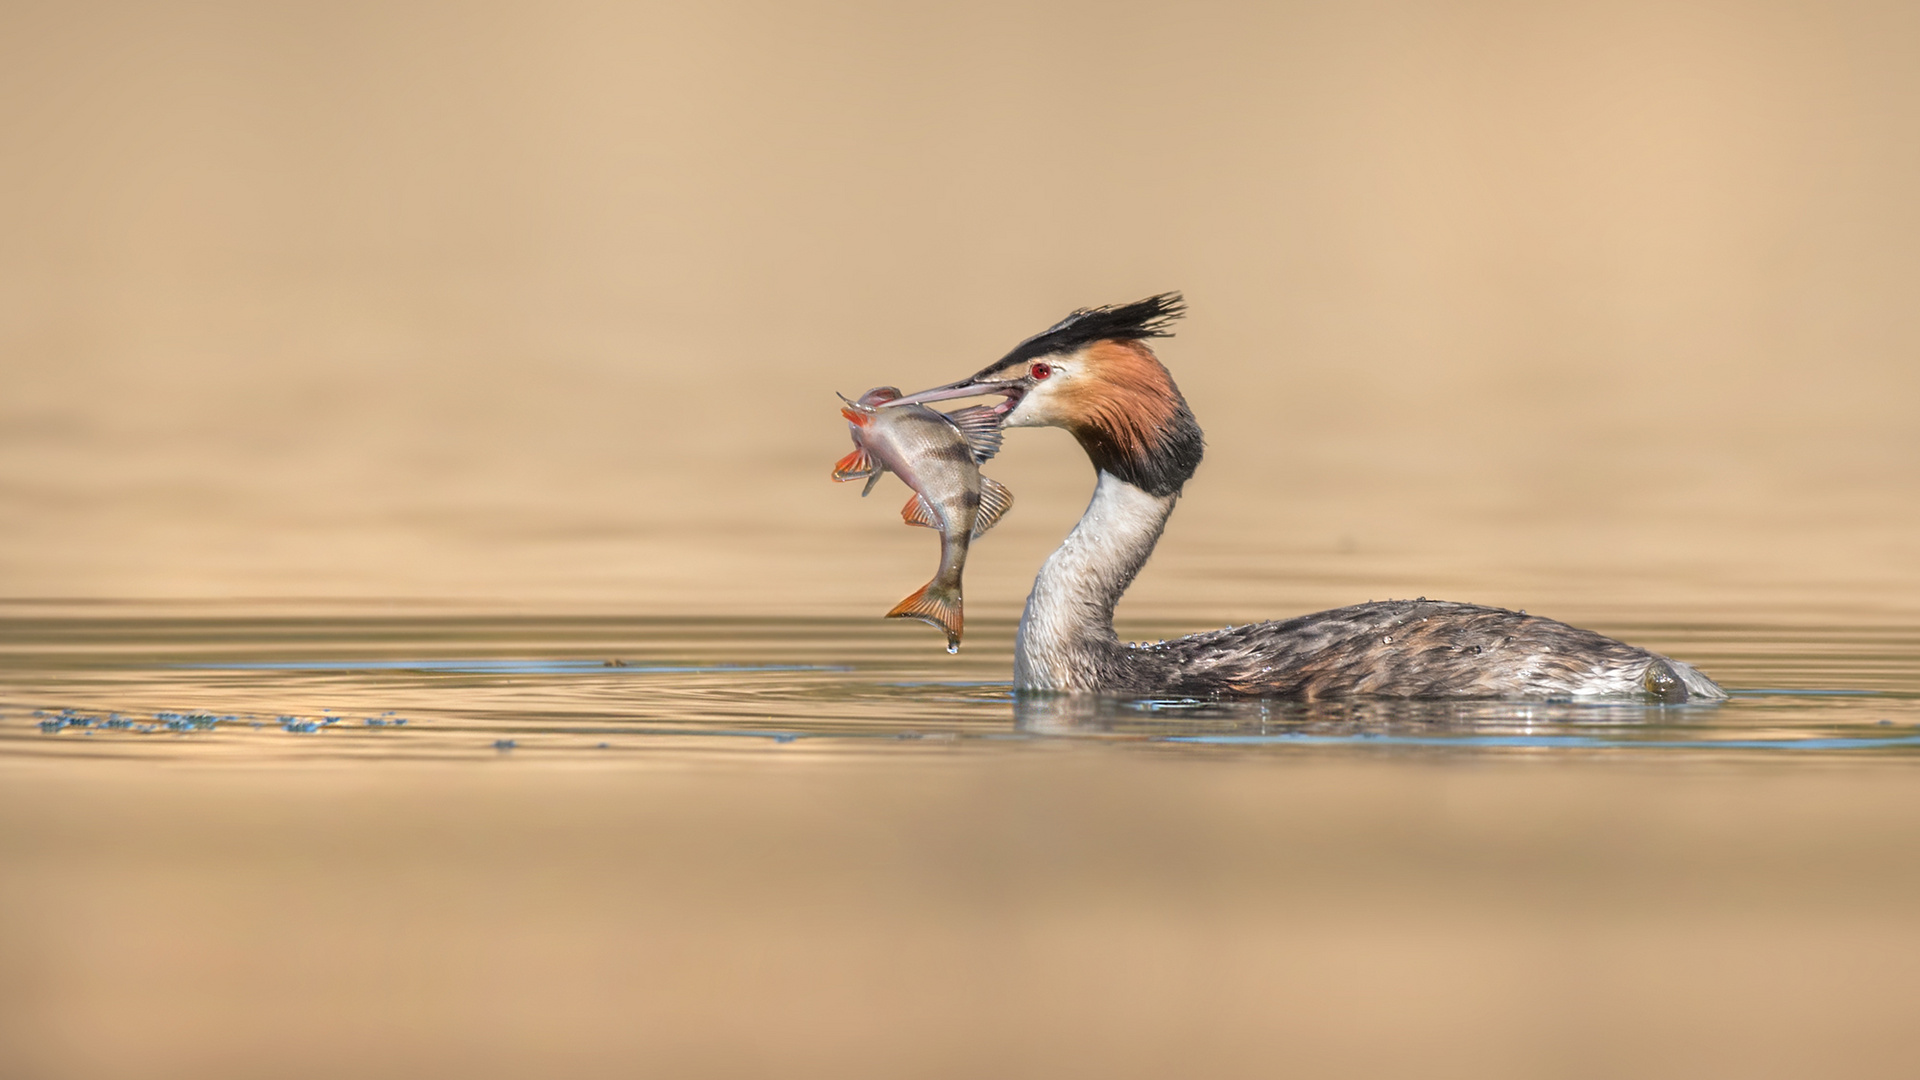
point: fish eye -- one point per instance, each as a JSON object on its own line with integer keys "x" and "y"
{"x": 1040, "y": 371}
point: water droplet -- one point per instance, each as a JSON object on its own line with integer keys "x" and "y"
{"x": 1388, "y": 639}
{"x": 953, "y": 647}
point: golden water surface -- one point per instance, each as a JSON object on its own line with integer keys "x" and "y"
{"x": 430, "y": 643}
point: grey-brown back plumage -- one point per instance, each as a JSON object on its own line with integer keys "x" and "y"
{"x": 1403, "y": 648}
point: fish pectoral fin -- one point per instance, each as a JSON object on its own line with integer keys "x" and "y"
{"x": 855, "y": 465}
{"x": 917, "y": 512}
{"x": 872, "y": 480}
{"x": 995, "y": 501}
{"x": 980, "y": 426}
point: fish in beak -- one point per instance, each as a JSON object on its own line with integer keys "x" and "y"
{"x": 938, "y": 455}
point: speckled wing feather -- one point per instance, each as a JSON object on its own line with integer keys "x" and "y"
{"x": 1410, "y": 649}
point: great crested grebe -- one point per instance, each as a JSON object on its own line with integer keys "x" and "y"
{"x": 1093, "y": 374}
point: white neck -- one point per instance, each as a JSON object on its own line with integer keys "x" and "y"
{"x": 1067, "y": 630}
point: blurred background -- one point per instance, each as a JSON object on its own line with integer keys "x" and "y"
{"x": 544, "y": 304}
{"x": 522, "y": 313}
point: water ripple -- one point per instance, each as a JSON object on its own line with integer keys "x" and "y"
{"x": 545, "y": 687}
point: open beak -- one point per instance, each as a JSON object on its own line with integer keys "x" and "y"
{"x": 1011, "y": 389}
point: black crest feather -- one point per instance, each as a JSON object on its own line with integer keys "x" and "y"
{"x": 1170, "y": 454}
{"x": 1149, "y": 318}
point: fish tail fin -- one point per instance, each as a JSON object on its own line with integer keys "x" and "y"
{"x": 936, "y": 604}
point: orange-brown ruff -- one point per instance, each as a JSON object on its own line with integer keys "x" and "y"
{"x": 1124, "y": 410}
{"x": 1093, "y": 374}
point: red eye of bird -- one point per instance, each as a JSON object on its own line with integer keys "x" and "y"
{"x": 1040, "y": 371}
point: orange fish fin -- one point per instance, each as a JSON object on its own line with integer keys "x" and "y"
{"x": 980, "y": 426}
{"x": 854, "y": 466}
{"x": 995, "y": 501}
{"x": 856, "y": 417}
{"x": 917, "y": 512}
{"x": 939, "y": 608}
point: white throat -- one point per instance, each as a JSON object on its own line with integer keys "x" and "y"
{"x": 1066, "y": 633}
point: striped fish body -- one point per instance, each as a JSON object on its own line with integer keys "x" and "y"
{"x": 939, "y": 459}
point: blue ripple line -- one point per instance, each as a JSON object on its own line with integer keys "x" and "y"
{"x": 1766, "y": 692}
{"x": 1545, "y": 741}
{"x": 501, "y": 667}
{"x": 1393, "y": 740}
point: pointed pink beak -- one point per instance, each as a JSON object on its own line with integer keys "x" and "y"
{"x": 1010, "y": 389}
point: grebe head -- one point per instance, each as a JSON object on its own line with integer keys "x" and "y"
{"x": 1093, "y": 374}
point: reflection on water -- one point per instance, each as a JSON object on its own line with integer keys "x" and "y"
{"x": 238, "y": 687}
{"x": 1484, "y": 724}
{"x": 473, "y": 846}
